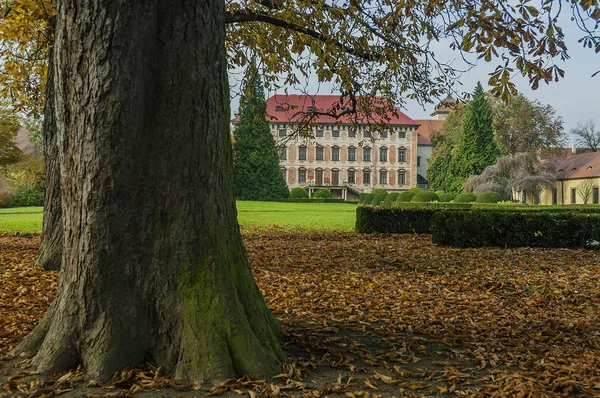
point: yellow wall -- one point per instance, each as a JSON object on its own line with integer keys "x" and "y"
{"x": 563, "y": 191}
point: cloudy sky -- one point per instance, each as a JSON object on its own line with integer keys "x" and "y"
{"x": 576, "y": 98}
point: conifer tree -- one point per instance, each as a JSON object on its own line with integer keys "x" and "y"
{"x": 477, "y": 147}
{"x": 256, "y": 162}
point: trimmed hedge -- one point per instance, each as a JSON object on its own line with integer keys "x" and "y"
{"x": 361, "y": 198}
{"x": 390, "y": 199}
{"x": 304, "y": 200}
{"x": 378, "y": 199}
{"x": 424, "y": 196}
{"x": 322, "y": 193}
{"x": 368, "y": 199}
{"x": 465, "y": 197}
{"x": 417, "y": 217}
{"x": 405, "y": 197}
{"x": 477, "y": 228}
{"x": 446, "y": 197}
{"x": 489, "y": 197}
{"x": 393, "y": 221}
{"x": 298, "y": 193}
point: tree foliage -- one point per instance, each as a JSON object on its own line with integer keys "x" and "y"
{"x": 9, "y": 127}
{"x": 477, "y": 146}
{"x": 522, "y": 125}
{"x": 256, "y": 164}
{"x": 587, "y": 135}
{"x": 512, "y": 174}
{"x": 384, "y": 47}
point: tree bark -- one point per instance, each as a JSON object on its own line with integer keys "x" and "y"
{"x": 153, "y": 263}
{"x": 49, "y": 255}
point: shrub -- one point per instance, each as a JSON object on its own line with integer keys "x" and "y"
{"x": 446, "y": 197}
{"x": 6, "y": 198}
{"x": 477, "y": 228}
{"x": 439, "y": 193}
{"x": 415, "y": 190}
{"x": 405, "y": 196}
{"x": 379, "y": 191}
{"x": 28, "y": 197}
{"x": 361, "y": 198}
{"x": 465, "y": 197}
{"x": 378, "y": 198}
{"x": 390, "y": 199}
{"x": 489, "y": 197}
{"x": 368, "y": 199}
{"x": 395, "y": 221}
{"x": 298, "y": 193}
{"x": 306, "y": 200}
{"x": 322, "y": 194}
{"x": 424, "y": 196}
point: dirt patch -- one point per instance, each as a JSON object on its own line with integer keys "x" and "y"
{"x": 375, "y": 315}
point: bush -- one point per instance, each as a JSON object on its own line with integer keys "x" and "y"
{"x": 489, "y": 197}
{"x": 446, "y": 197}
{"x": 378, "y": 198}
{"x": 415, "y": 190}
{"x": 322, "y": 194}
{"x": 28, "y": 197}
{"x": 306, "y": 200}
{"x": 368, "y": 199}
{"x": 379, "y": 191}
{"x": 390, "y": 199}
{"x": 298, "y": 193}
{"x": 439, "y": 193}
{"x": 465, "y": 197}
{"x": 424, "y": 196}
{"x": 477, "y": 228}
{"x": 361, "y": 198}
{"x": 395, "y": 221}
{"x": 6, "y": 198}
{"x": 405, "y": 197}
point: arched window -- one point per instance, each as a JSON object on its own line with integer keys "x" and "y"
{"x": 301, "y": 175}
{"x": 383, "y": 177}
{"x": 402, "y": 154}
{"x": 319, "y": 153}
{"x": 366, "y": 154}
{"x": 351, "y": 176}
{"x": 335, "y": 154}
{"x": 366, "y": 176}
{"x": 302, "y": 152}
{"x": 402, "y": 177}
{"x": 383, "y": 152}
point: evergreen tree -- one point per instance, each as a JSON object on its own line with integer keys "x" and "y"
{"x": 477, "y": 147}
{"x": 256, "y": 161}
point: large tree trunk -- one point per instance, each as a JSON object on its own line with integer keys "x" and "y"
{"x": 153, "y": 264}
{"x": 50, "y": 252}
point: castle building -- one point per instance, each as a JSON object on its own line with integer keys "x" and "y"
{"x": 345, "y": 155}
{"x": 341, "y": 155}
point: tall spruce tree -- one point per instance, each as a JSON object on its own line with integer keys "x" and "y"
{"x": 477, "y": 147}
{"x": 256, "y": 161}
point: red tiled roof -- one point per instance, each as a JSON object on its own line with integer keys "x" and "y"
{"x": 585, "y": 165}
{"x": 426, "y": 128}
{"x": 286, "y": 108}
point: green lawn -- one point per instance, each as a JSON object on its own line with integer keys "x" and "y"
{"x": 333, "y": 216}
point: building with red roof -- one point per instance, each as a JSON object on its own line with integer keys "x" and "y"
{"x": 324, "y": 145}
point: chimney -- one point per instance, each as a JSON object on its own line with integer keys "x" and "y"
{"x": 573, "y": 149}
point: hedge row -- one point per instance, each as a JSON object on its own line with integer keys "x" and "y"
{"x": 477, "y": 228}
{"x": 418, "y": 217}
{"x": 314, "y": 200}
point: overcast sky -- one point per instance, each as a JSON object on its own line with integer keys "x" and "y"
{"x": 576, "y": 97}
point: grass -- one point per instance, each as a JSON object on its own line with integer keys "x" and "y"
{"x": 21, "y": 220}
{"x": 312, "y": 216}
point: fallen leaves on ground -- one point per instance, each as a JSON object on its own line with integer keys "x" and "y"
{"x": 386, "y": 315}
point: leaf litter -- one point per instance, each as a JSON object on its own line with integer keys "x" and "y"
{"x": 370, "y": 316}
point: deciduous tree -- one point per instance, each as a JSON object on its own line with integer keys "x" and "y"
{"x": 256, "y": 163}
{"x": 9, "y": 127}
{"x": 587, "y": 135}
{"x": 153, "y": 263}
